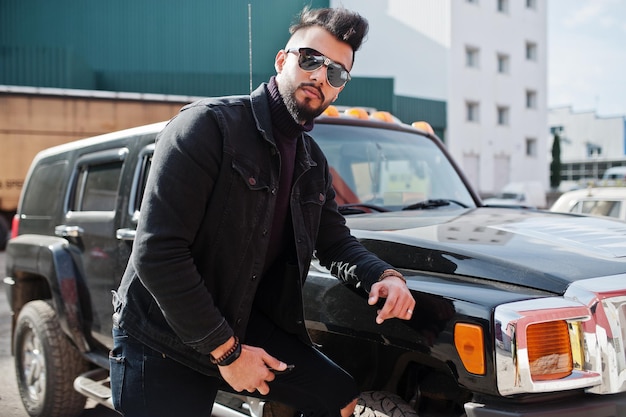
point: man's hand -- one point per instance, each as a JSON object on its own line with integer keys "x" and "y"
{"x": 399, "y": 302}
{"x": 252, "y": 370}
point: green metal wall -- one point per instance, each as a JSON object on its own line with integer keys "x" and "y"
{"x": 411, "y": 109}
{"x": 191, "y": 47}
{"x": 157, "y": 46}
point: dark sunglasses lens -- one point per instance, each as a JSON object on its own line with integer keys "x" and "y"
{"x": 337, "y": 76}
{"x": 310, "y": 62}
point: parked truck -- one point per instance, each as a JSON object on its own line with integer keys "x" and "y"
{"x": 520, "y": 312}
{"x": 34, "y": 119}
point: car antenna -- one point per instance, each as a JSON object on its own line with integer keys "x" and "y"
{"x": 250, "y": 42}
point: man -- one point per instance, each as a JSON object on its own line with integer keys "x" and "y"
{"x": 238, "y": 199}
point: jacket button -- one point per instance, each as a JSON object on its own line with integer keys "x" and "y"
{"x": 238, "y": 321}
{"x": 253, "y": 277}
{"x": 274, "y": 191}
{"x": 264, "y": 233}
{"x": 251, "y": 181}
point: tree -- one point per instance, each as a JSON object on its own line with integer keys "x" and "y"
{"x": 555, "y": 165}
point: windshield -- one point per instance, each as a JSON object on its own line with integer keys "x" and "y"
{"x": 388, "y": 168}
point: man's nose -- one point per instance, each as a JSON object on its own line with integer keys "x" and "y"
{"x": 319, "y": 74}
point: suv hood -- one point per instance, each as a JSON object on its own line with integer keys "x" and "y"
{"x": 535, "y": 249}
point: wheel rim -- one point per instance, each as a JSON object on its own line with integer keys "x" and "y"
{"x": 33, "y": 366}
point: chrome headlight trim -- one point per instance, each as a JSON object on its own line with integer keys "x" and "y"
{"x": 596, "y": 311}
{"x": 512, "y": 364}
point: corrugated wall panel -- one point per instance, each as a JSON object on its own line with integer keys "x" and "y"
{"x": 411, "y": 109}
{"x": 196, "y": 47}
{"x": 44, "y": 67}
{"x": 194, "y": 84}
{"x": 154, "y": 36}
{"x": 368, "y": 92}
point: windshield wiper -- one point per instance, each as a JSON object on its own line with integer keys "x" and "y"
{"x": 433, "y": 203}
{"x": 354, "y": 208}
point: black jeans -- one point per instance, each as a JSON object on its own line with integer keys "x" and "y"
{"x": 146, "y": 383}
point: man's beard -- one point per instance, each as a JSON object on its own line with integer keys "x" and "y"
{"x": 300, "y": 112}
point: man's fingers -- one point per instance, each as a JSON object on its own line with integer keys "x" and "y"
{"x": 263, "y": 389}
{"x": 275, "y": 364}
{"x": 373, "y": 298}
{"x": 395, "y": 307}
{"x": 386, "y": 312}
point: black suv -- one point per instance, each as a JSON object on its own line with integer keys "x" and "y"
{"x": 519, "y": 312}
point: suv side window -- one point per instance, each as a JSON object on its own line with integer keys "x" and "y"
{"x": 96, "y": 187}
{"x": 97, "y": 181}
{"x": 46, "y": 184}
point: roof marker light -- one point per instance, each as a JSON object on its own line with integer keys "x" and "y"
{"x": 357, "y": 112}
{"x": 425, "y": 126}
{"x": 331, "y": 111}
{"x": 385, "y": 116}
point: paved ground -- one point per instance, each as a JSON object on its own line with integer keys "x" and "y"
{"x": 10, "y": 403}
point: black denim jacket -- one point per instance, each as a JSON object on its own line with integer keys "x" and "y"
{"x": 203, "y": 232}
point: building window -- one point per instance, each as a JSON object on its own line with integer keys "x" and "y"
{"x": 503, "y": 115}
{"x": 593, "y": 150}
{"x": 471, "y": 111}
{"x": 531, "y": 99}
{"x": 471, "y": 57}
{"x": 503, "y": 63}
{"x": 531, "y": 4}
{"x": 503, "y": 6}
{"x": 531, "y": 147}
{"x": 531, "y": 51}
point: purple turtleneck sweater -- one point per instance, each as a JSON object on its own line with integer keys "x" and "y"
{"x": 286, "y": 132}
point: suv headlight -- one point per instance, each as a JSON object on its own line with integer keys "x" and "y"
{"x": 553, "y": 344}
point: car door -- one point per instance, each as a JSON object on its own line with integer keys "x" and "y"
{"x": 90, "y": 224}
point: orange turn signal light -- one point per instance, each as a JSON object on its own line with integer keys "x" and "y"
{"x": 549, "y": 350}
{"x": 468, "y": 340}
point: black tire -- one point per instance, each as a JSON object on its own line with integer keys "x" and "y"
{"x": 382, "y": 404}
{"x": 46, "y": 364}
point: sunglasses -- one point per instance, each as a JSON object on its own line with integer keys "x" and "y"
{"x": 309, "y": 60}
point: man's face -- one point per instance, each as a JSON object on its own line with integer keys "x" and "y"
{"x": 307, "y": 93}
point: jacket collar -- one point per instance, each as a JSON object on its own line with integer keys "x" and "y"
{"x": 262, "y": 115}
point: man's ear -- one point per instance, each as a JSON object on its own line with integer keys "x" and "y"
{"x": 279, "y": 61}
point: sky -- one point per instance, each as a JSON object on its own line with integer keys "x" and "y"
{"x": 587, "y": 55}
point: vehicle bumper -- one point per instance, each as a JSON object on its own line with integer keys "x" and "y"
{"x": 585, "y": 406}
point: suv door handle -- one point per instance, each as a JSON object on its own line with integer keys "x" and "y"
{"x": 68, "y": 231}
{"x": 125, "y": 234}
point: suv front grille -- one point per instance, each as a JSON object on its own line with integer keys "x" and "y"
{"x": 606, "y": 333}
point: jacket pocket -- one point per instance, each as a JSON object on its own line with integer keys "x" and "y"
{"x": 251, "y": 175}
{"x": 117, "y": 363}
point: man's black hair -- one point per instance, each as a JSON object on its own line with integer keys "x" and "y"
{"x": 345, "y": 25}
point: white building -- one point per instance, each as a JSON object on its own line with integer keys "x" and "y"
{"x": 585, "y": 135}
{"x": 487, "y": 59}
{"x": 589, "y": 144}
